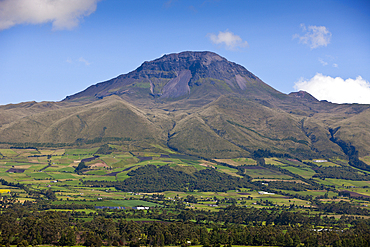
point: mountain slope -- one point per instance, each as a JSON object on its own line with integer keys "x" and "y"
{"x": 191, "y": 75}
{"x": 198, "y": 103}
{"x": 110, "y": 117}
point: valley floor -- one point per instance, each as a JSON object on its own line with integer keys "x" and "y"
{"x": 215, "y": 202}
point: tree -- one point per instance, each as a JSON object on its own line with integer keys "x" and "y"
{"x": 23, "y": 243}
{"x": 191, "y": 199}
{"x": 93, "y": 240}
{"x": 80, "y": 167}
{"x": 50, "y": 194}
{"x": 68, "y": 237}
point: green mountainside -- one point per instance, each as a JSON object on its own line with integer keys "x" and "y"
{"x": 197, "y": 103}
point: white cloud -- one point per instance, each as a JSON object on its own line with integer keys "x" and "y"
{"x": 83, "y": 60}
{"x": 314, "y": 36}
{"x": 231, "y": 40}
{"x": 64, "y": 14}
{"x": 336, "y": 90}
{"x": 323, "y": 62}
{"x": 335, "y": 65}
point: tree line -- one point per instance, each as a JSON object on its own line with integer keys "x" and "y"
{"x": 151, "y": 178}
{"x": 23, "y": 225}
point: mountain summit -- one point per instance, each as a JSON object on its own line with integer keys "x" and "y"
{"x": 180, "y": 75}
{"x": 196, "y": 103}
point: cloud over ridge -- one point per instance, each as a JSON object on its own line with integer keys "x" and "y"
{"x": 314, "y": 36}
{"x": 230, "y": 40}
{"x": 64, "y": 14}
{"x": 336, "y": 90}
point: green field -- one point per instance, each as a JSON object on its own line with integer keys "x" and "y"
{"x": 78, "y": 152}
{"x": 113, "y": 203}
{"x": 8, "y": 152}
{"x": 273, "y": 188}
{"x": 305, "y": 172}
{"x": 344, "y": 183}
{"x": 265, "y": 173}
{"x": 57, "y": 172}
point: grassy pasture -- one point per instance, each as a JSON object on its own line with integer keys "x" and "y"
{"x": 280, "y": 201}
{"x": 61, "y": 175}
{"x": 167, "y": 150}
{"x": 97, "y": 172}
{"x": 46, "y": 152}
{"x": 8, "y": 152}
{"x": 89, "y": 151}
{"x": 33, "y": 159}
{"x": 303, "y": 172}
{"x": 261, "y": 172}
{"x": 343, "y": 182}
{"x": 70, "y": 187}
{"x": 245, "y": 161}
{"x": 59, "y": 152}
{"x": 273, "y": 161}
{"x": 203, "y": 196}
{"x": 335, "y": 162}
{"x": 18, "y": 165}
{"x": 238, "y": 161}
{"x": 146, "y": 154}
{"x": 62, "y": 160}
{"x": 228, "y": 171}
{"x": 43, "y": 159}
{"x": 327, "y": 164}
{"x": 100, "y": 178}
{"x": 365, "y": 159}
{"x": 109, "y": 160}
{"x": 54, "y": 168}
{"x": 87, "y": 211}
{"x": 363, "y": 191}
{"x": 40, "y": 175}
{"x": 67, "y": 169}
{"x": 112, "y": 203}
{"x": 314, "y": 193}
{"x": 122, "y": 176}
{"x": 125, "y": 162}
{"x": 26, "y": 151}
{"x": 294, "y": 167}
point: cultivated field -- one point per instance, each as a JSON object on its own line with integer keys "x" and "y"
{"x": 55, "y": 169}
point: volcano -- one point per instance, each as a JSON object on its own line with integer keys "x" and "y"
{"x": 196, "y": 103}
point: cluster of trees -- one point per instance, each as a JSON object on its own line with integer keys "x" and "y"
{"x": 350, "y": 151}
{"x": 21, "y": 225}
{"x": 314, "y": 184}
{"x": 341, "y": 208}
{"x": 266, "y": 153}
{"x": 105, "y": 149}
{"x": 151, "y": 178}
{"x": 81, "y": 141}
{"x": 78, "y": 142}
{"x": 36, "y": 194}
{"x": 340, "y": 173}
{"x": 81, "y": 166}
{"x": 282, "y": 185}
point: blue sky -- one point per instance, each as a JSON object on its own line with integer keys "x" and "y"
{"x": 53, "y": 48}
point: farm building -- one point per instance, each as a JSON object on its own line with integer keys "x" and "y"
{"x": 14, "y": 170}
{"x": 265, "y": 193}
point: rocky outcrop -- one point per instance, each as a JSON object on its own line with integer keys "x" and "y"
{"x": 176, "y": 75}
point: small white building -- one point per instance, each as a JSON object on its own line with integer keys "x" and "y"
{"x": 320, "y": 161}
{"x": 265, "y": 193}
